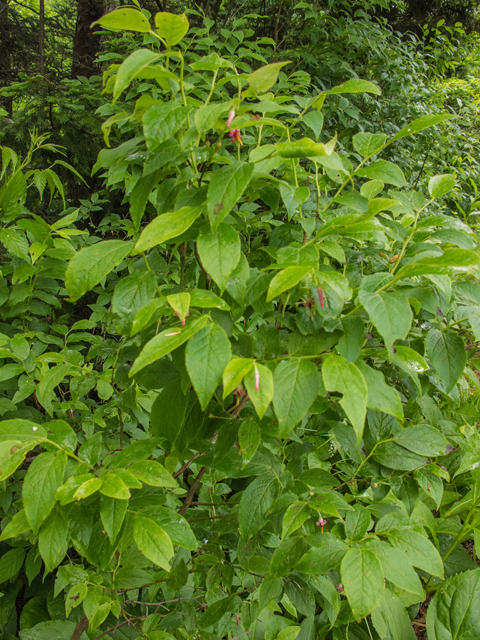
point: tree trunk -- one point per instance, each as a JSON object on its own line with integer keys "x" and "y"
{"x": 5, "y": 59}
{"x": 85, "y": 44}
{"x": 41, "y": 38}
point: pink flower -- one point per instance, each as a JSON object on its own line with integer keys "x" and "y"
{"x": 231, "y": 116}
{"x": 339, "y": 587}
{"x": 321, "y": 523}
{"x": 320, "y": 296}
{"x": 235, "y": 136}
{"x": 257, "y": 378}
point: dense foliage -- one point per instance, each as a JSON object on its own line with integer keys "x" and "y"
{"x": 239, "y": 389}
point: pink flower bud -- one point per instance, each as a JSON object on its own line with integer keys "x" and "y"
{"x": 235, "y": 136}
{"x": 257, "y": 378}
{"x": 339, "y": 587}
{"x": 231, "y": 116}
{"x": 320, "y": 296}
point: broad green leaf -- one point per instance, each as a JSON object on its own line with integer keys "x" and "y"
{"x": 153, "y": 542}
{"x": 338, "y": 375}
{"x": 130, "y": 67}
{"x": 350, "y": 344}
{"x": 323, "y": 557}
{"x": 362, "y": 579}
{"x": 11, "y": 563}
{"x": 180, "y": 303}
{"x": 451, "y": 262}
{"x": 23, "y": 430}
{"x": 446, "y": 351}
{"x": 129, "y": 19}
{"x": 225, "y": 189}
{"x": 390, "y": 313}
{"x": 261, "y": 80}
{"x": 368, "y": 143}
{"x": 314, "y": 120}
{"x": 381, "y": 396}
{"x": 256, "y": 500}
{"x": 296, "y": 385}
{"x": 208, "y": 353}
{"x": 74, "y": 597}
{"x": 305, "y": 148}
{"x": 418, "y": 550}
{"x": 205, "y": 299}
{"x": 207, "y": 116}
{"x": 153, "y": 473}
{"x": 43, "y": 478}
{"x": 165, "y": 227}
{"x": 394, "y": 456}
{"x": 53, "y": 540}
{"x": 390, "y": 617}
{"x": 218, "y": 609}
{"x": 87, "y": 488}
{"x": 219, "y": 252}
{"x": 422, "y": 439}
{"x": 440, "y": 185}
{"x": 424, "y": 122}
{"x": 168, "y": 414}
{"x": 357, "y": 523}
{"x": 234, "y": 373}
{"x": 249, "y": 437}
{"x": 174, "y": 525}
{"x": 90, "y": 265}
{"x": 385, "y": 171}
{"x": 355, "y": 85}
{"x": 289, "y": 633}
{"x": 166, "y": 342}
{"x": 454, "y": 612}
{"x": 162, "y": 121}
{"x": 48, "y": 381}
{"x": 396, "y": 569}
{"x": 286, "y": 556}
{"x": 294, "y": 517}
{"x": 18, "y": 524}
{"x": 411, "y": 359}
{"x": 112, "y": 513}
{"x": 269, "y": 589}
{"x": 114, "y": 487}
{"x": 51, "y": 630}
{"x": 170, "y": 27}
{"x": 259, "y": 384}
{"x": 286, "y": 279}
{"x": 331, "y": 595}
{"x": 139, "y": 197}
{"x": 132, "y": 293}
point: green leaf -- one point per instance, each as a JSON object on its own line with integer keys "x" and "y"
{"x": 329, "y": 592}
{"x": 175, "y": 526}
{"x": 12, "y": 454}
{"x": 391, "y": 617}
{"x": 390, "y": 313}
{"x": 294, "y": 517}
{"x": 440, "y": 185}
{"x": 165, "y": 227}
{"x": 338, "y": 375}
{"x": 234, "y": 373}
{"x": 43, "y": 478}
{"x": 362, "y": 578}
{"x": 305, "y": 148}
{"x": 153, "y": 473}
{"x": 269, "y": 589}
{"x": 208, "y": 353}
{"x": 396, "y": 570}
{"x": 168, "y": 414}
{"x": 75, "y": 596}
{"x": 424, "y": 122}
{"x": 418, "y": 550}
{"x": 323, "y": 556}
{"x": 51, "y": 630}
{"x": 114, "y": 487}
{"x": 162, "y": 121}
{"x": 454, "y": 612}
{"x": 286, "y": 279}
{"x": 446, "y": 351}
{"x": 180, "y": 303}
{"x": 255, "y": 502}
{"x": 357, "y": 523}
{"x": 261, "y": 80}
{"x": 153, "y": 542}
{"x": 381, "y": 396}
{"x": 112, "y": 513}
{"x": 225, "y": 189}
{"x": 170, "y": 27}
{"x": 207, "y": 300}
{"x": 166, "y": 342}
{"x": 53, "y": 540}
{"x": 385, "y": 171}
{"x": 314, "y": 120}
{"x": 206, "y": 117}
{"x": 259, "y": 384}
{"x": 90, "y": 265}
{"x": 131, "y": 67}
{"x": 286, "y": 556}
{"x": 139, "y": 197}
{"x": 18, "y": 524}
{"x": 11, "y": 563}
{"x": 129, "y": 19}
{"x": 422, "y": 439}
{"x": 451, "y": 262}
{"x": 219, "y": 252}
{"x": 355, "y": 85}
{"x": 217, "y": 610}
{"x": 368, "y": 143}
{"x": 23, "y": 430}
{"x": 289, "y": 633}
{"x": 350, "y": 344}
{"x": 249, "y": 437}
{"x": 296, "y": 385}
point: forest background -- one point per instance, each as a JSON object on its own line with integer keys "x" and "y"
{"x": 239, "y": 380}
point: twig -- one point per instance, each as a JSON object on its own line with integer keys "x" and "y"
{"x": 276, "y": 23}
{"x": 191, "y": 493}
{"x": 108, "y": 630}
{"x": 187, "y": 464}
{"x": 241, "y": 404}
{"x": 80, "y": 628}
